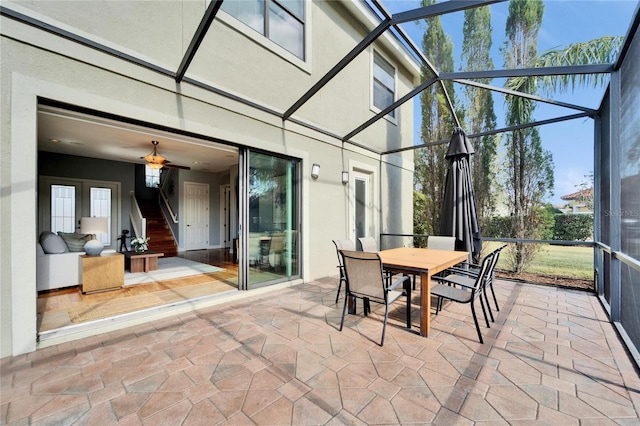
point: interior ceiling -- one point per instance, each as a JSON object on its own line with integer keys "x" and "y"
{"x": 94, "y": 137}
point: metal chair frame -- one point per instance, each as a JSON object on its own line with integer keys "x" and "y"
{"x": 365, "y": 280}
{"x": 342, "y": 245}
{"x": 466, "y": 293}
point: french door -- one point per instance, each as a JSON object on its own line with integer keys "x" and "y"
{"x": 64, "y": 201}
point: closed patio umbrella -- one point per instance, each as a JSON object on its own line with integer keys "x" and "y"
{"x": 459, "y": 217}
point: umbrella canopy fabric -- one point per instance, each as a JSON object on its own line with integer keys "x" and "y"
{"x": 459, "y": 217}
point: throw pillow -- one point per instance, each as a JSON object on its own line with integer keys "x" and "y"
{"x": 53, "y": 244}
{"x": 74, "y": 241}
{"x": 43, "y": 234}
{"x": 39, "y": 250}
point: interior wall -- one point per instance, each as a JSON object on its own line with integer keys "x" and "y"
{"x": 70, "y": 166}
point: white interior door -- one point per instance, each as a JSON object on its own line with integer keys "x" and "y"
{"x": 196, "y": 215}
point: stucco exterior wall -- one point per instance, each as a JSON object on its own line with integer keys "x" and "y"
{"x": 35, "y": 64}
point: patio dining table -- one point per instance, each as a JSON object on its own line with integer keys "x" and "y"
{"x": 424, "y": 262}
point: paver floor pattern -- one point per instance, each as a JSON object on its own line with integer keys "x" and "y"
{"x": 551, "y": 357}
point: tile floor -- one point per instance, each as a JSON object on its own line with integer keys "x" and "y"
{"x": 551, "y": 357}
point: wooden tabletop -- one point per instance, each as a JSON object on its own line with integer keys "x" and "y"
{"x": 422, "y": 259}
{"x": 425, "y": 262}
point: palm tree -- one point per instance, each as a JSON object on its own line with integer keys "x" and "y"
{"x": 602, "y": 50}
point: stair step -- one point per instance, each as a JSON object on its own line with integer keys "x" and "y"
{"x": 160, "y": 236}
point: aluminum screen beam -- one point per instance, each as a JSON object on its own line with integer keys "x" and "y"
{"x": 439, "y": 9}
{"x": 525, "y": 95}
{"x": 422, "y": 57}
{"x": 390, "y": 108}
{"x": 199, "y": 35}
{"x": 360, "y": 47}
{"x": 530, "y": 72}
{"x": 494, "y": 132}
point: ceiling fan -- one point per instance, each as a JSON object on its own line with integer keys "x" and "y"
{"x": 157, "y": 161}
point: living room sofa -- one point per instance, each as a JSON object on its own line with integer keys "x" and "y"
{"x": 58, "y": 263}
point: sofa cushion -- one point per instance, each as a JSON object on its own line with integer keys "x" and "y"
{"x": 53, "y": 244}
{"x": 43, "y": 235}
{"x": 75, "y": 242}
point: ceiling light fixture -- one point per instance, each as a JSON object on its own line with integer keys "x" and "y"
{"x": 154, "y": 160}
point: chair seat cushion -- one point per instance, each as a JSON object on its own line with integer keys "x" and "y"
{"x": 451, "y": 293}
{"x": 456, "y": 279}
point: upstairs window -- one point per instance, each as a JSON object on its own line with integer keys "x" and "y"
{"x": 384, "y": 84}
{"x": 151, "y": 177}
{"x": 281, "y": 21}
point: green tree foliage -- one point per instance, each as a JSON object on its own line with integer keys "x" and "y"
{"x": 480, "y": 114}
{"x": 529, "y": 168}
{"x": 573, "y": 227}
{"x": 437, "y": 124}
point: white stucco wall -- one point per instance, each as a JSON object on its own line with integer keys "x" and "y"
{"x": 36, "y": 64}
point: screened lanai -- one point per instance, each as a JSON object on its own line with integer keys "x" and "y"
{"x": 616, "y": 244}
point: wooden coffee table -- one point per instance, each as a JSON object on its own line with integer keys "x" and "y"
{"x": 142, "y": 262}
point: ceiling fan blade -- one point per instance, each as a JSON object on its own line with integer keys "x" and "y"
{"x": 175, "y": 166}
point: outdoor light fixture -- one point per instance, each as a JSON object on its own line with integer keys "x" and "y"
{"x": 315, "y": 171}
{"x": 345, "y": 177}
{"x": 154, "y": 160}
{"x": 93, "y": 225}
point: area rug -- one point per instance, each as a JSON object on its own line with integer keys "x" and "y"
{"x": 114, "y": 307}
{"x": 169, "y": 268}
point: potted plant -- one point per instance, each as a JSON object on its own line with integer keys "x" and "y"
{"x": 140, "y": 244}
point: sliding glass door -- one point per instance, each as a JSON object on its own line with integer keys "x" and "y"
{"x": 271, "y": 219}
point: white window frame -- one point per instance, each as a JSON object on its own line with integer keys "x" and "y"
{"x": 366, "y": 172}
{"x": 153, "y": 174}
{"x": 304, "y": 64}
{"x": 377, "y": 54}
{"x": 83, "y": 205}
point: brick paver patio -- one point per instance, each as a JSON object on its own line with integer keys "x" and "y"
{"x": 551, "y": 357}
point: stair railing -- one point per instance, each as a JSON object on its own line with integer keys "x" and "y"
{"x": 167, "y": 176}
{"x": 138, "y": 222}
{"x": 165, "y": 200}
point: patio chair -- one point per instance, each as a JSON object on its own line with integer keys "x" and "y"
{"x": 368, "y": 244}
{"x": 342, "y": 245}
{"x": 438, "y": 242}
{"x": 365, "y": 280}
{"x": 471, "y": 288}
{"x": 472, "y": 270}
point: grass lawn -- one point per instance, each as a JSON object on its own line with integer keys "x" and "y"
{"x": 574, "y": 262}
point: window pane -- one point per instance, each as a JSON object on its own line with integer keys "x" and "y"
{"x": 286, "y": 31}
{"x": 101, "y": 207}
{"x": 384, "y": 83}
{"x": 152, "y": 177}
{"x": 296, "y": 7}
{"x": 250, "y": 12}
{"x": 63, "y": 208}
{"x": 382, "y": 97}
{"x": 361, "y": 208}
{"x": 273, "y": 219}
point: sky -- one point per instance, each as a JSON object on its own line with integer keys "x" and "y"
{"x": 564, "y": 22}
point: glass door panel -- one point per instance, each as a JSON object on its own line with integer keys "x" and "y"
{"x": 272, "y": 252}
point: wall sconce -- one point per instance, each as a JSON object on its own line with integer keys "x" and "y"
{"x": 345, "y": 177}
{"x": 315, "y": 171}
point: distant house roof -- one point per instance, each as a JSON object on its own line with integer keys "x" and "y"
{"x": 585, "y": 193}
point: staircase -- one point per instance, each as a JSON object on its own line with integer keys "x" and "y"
{"x": 160, "y": 236}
